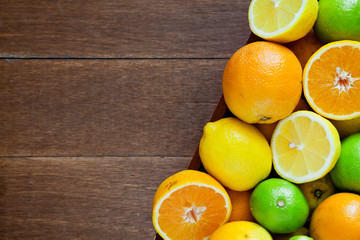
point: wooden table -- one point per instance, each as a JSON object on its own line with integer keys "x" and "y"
{"x": 100, "y": 101}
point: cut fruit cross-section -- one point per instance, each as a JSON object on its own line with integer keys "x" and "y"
{"x": 190, "y": 205}
{"x": 331, "y": 80}
{"x": 282, "y": 20}
{"x": 305, "y": 147}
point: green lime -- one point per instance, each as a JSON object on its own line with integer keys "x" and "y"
{"x": 346, "y": 173}
{"x": 279, "y": 206}
{"x": 301, "y": 237}
{"x": 338, "y": 20}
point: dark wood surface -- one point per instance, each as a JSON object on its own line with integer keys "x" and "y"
{"x": 100, "y": 101}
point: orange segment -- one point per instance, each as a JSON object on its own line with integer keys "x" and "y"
{"x": 331, "y": 83}
{"x": 305, "y": 147}
{"x": 190, "y": 205}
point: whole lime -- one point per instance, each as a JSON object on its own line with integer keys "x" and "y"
{"x": 346, "y": 173}
{"x": 301, "y": 237}
{"x": 279, "y": 206}
{"x": 338, "y": 20}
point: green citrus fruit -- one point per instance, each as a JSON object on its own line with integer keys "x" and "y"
{"x": 286, "y": 236}
{"x": 338, "y": 20}
{"x": 301, "y": 237}
{"x": 279, "y": 206}
{"x": 346, "y": 173}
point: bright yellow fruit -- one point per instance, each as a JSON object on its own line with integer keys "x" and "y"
{"x": 282, "y": 21}
{"x": 241, "y": 230}
{"x": 305, "y": 147}
{"x": 268, "y": 129}
{"x": 190, "y": 205}
{"x": 235, "y": 153}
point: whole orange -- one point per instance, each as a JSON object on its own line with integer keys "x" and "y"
{"x": 268, "y": 129}
{"x": 262, "y": 82}
{"x": 337, "y": 217}
{"x": 240, "y": 201}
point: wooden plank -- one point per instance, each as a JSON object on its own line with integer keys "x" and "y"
{"x": 81, "y": 198}
{"x": 122, "y": 29}
{"x": 106, "y": 107}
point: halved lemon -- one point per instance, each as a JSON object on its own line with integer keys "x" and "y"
{"x": 305, "y": 147}
{"x": 190, "y": 205}
{"x": 331, "y": 80}
{"x": 282, "y": 21}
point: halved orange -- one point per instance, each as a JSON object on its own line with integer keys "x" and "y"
{"x": 331, "y": 80}
{"x": 190, "y": 205}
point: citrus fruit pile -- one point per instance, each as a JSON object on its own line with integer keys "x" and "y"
{"x": 285, "y": 164}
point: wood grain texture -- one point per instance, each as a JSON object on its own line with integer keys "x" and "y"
{"x": 81, "y": 198}
{"x": 122, "y": 29}
{"x": 97, "y": 107}
{"x": 100, "y": 101}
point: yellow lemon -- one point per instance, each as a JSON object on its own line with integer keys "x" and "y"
{"x": 282, "y": 21}
{"x": 305, "y": 147}
{"x": 236, "y": 153}
{"x": 241, "y": 230}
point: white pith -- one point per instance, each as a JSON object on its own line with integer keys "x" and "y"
{"x": 343, "y": 80}
{"x": 193, "y": 214}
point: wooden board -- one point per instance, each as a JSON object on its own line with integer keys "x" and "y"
{"x": 100, "y": 101}
{"x": 81, "y": 197}
{"x": 122, "y": 29}
{"x": 106, "y": 108}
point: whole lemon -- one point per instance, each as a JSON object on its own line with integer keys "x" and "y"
{"x": 241, "y": 230}
{"x": 262, "y": 82}
{"x": 236, "y": 153}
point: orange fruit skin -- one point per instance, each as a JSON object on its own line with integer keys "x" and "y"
{"x": 305, "y": 47}
{"x": 240, "y": 201}
{"x": 262, "y": 82}
{"x": 337, "y": 217}
{"x": 268, "y": 129}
